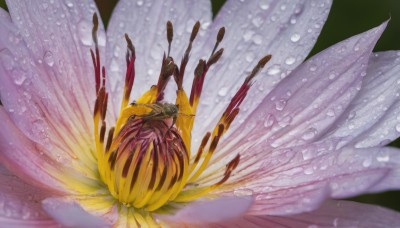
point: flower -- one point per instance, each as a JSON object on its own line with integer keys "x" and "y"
{"x": 305, "y": 133}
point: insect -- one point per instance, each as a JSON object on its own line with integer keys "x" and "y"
{"x": 161, "y": 111}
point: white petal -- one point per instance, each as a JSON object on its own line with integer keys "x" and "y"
{"x": 285, "y": 29}
{"x": 372, "y": 119}
{"x": 306, "y": 103}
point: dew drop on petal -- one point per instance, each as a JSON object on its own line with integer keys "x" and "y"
{"x": 264, "y": 4}
{"x": 84, "y": 31}
{"x": 383, "y": 158}
{"x": 273, "y": 70}
{"x": 48, "y": 58}
{"x": 139, "y": 2}
{"x": 70, "y": 4}
{"x": 243, "y": 192}
{"x": 223, "y": 91}
{"x": 398, "y": 127}
{"x": 269, "y": 120}
{"x": 367, "y": 162}
{"x": 20, "y": 79}
{"x": 290, "y": 60}
{"x": 257, "y": 39}
{"x": 280, "y": 104}
{"x": 295, "y": 37}
{"x": 309, "y": 134}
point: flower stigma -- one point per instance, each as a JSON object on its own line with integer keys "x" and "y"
{"x": 146, "y": 160}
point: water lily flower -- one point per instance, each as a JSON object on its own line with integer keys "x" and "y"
{"x": 101, "y": 129}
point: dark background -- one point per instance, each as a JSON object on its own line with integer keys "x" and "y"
{"x": 347, "y": 18}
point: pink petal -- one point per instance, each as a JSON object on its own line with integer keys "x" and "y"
{"x": 220, "y": 209}
{"x": 145, "y": 23}
{"x": 330, "y": 214}
{"x": 31, "y": 161}
{"x": 295, "y": 176}
{"x": 47, "y": 83}
{"x": 306, "y": 103}
{"x": 20, "y": 203}
{"x": 254, "y": 30}
{"x": 372, "y": 118}
{"x": 71, "y": 214}
{"x": 24, "y": 157}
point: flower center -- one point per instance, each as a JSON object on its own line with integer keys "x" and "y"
{"x": 146, "y": 160}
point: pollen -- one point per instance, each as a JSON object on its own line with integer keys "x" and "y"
{"x": 145, "y": 160}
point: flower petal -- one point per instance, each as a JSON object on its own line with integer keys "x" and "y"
{"x": 372, "y": 119}
{"x": 46, "y": 85}
{"x": 306, "y": 103}
{"x": 21, "y": 203}
{"x": 216, "y": 210}
{"x": 330, "y": 214}
{"x": 23, "y": 156}
{"x": 307, "y": 170}
{"x": 253, "y": 31}
{"x": 144, "y": 22}
{"x": 71, "y": 214}
{"x": 30, "y": 161}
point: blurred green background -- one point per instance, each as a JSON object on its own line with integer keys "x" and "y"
{"x": 347, "y": 18}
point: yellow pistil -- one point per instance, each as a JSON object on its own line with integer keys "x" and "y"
{"x": 145, "y": 160}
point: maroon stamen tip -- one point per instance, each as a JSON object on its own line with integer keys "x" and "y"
{"x": 258, "y": 67}
{"x": 95, "y": 28}
{"x": 200, "y": 68}
{"x": 104, "y": 107}
{"x": 130, "y": 45}
{"x": 215, "y": 57}
{"x": 170, "y": 31}
{"x": 102, "y": 131}
{"x": 202, "y": 145}
{"x": 195, "y": 30}
{"x": 170, "y": 35}
{"x": 220, "y": 34}
{"x": 110, "y": 138}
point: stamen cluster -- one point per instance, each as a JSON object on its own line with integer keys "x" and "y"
{"x": 147, "y": 161}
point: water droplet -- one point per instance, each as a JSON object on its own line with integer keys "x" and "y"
{"x": 70, "y": 4}
{"x": 264, "y": 5}
{"x": 295, "y": 37}
{"x": 20, "y": 79}
{"x": 309, "y": 134}
{"x": 293, "y": 21}
{"x": 257, "y": 39}
{"x": 269, "y": 120}
{"x": 85, "y": 33}
{"x": 290, "y": 60}
{"x": 367, "y": 162}
{"x": 383, "y": 158}
{"x": 285, "y": 121}
{"x": 247, "y": 35}
{"x": 308, "y": 171}
{"x": 313, "y": 68}
{"x": 257, "y": 21}
{"x": 332, "y": 75}
{"x": 280, "y": 104}
{"x": 283, "y": 7}
{"x": 398, "y": 127}
{"x": 250, "y": 57}
{"x": 139, "y": 3}
{"x": 330, "y": 113}
{"x": 243, "y": 192}
{"x": 273, "y": 70}
{"x": 223, "y": 91}
{"x": 48, "y": 58}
